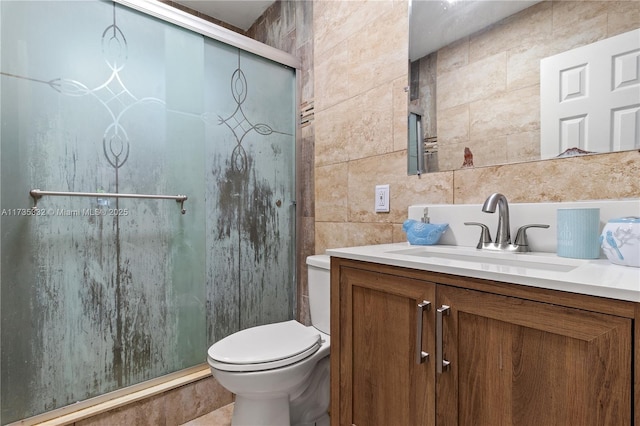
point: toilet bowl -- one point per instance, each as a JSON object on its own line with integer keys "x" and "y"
{"x": 280, "y": 372}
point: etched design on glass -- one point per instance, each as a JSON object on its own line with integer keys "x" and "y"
{"x": 238, "y": 122}
{"x": 112, "y": 94}
{"x": 116, "y": 99}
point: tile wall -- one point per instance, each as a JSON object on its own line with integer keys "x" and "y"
{"x": 361, "y": 69}
{"x": 170, "y": 408}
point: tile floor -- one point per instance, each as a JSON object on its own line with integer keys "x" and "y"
{"x": 219, "y": 417}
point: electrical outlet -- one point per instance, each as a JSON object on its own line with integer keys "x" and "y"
{"x": 382, "y": 199}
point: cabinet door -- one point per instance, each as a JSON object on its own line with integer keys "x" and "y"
{"x": 518, "y": 362}
{"x": 381, "y": 380}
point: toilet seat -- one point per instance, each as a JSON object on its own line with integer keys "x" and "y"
{"x": 264, "y": 347}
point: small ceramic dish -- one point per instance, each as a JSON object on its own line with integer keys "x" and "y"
{"x": 423, "y": 234}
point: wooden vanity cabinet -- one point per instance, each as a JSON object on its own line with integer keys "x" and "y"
{"x": 522, "y": 362}
{"x": 380, "y": 381}
{"x": 518, "y": 356}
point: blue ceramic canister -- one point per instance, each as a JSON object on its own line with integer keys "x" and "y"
{"x": 620, "y": 241}
{"x": 578, "y": 233}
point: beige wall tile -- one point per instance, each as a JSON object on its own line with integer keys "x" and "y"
{"x": 173, "y": 407}
{"x": 370, "y": 121}
{"x": 453, "y": 125}
{"x": 433, "y": 188}
{"x": 451, "y": 156}
{"x": 580, "y": 34}
{"x": 330, "y": 20}
{"x": 147, "y": 411}
{"x": 400, "y": 112}
{"x": 194, "y": 400}
{"x": 483, "y": 152}
{"x": 358, "y": 127}
{"x": 220, "y": 417}
{"x": 569, "y": 14}
{"x": 404, "y": 190}
{"x": 331, "y": 192}
{"x": 331, "y": 235}
{"x": 527, "y": 26}
{"x": 331, "y": 77}
{"x": 603, "y": 176}
{"x": 399, "y": 236}
{"x": 523, "y": 64}
{"x": 623, "y": 17}
{"x": 334, "y": 21}
{"x": 453, "y": 56}
{"x": 523, "y": 147}
{"x": 512, "y": 112}
{"x": 336, "y": 235}
{"x": 475, "y": 81}
{"x": 364, "y": 233}
{"x": 378, "y": 52}
{"x": 332, "y": 135}
{"x": 489, "y": 151}
{"x": 387, "y": 169}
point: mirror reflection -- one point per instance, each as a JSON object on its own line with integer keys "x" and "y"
{"x": 475, "y": 81}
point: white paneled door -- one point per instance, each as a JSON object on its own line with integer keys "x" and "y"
{"x": 590, "y": 97}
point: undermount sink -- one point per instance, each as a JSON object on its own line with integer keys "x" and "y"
{"x": 538, "y": 261}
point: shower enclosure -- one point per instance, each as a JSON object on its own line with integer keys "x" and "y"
{"x": 98, "y": 293}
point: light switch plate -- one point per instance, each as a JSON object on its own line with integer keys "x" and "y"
{"x": 382, "y": 199}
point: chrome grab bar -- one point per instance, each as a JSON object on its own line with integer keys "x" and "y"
{"x": 37, "y": 194}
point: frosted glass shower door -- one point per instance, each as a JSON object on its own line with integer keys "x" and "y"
{"x": 96, "y": 97}
{"x": 250, "y": 201}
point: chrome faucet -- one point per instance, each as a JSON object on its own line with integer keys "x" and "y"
{"x": 503, "y": 235}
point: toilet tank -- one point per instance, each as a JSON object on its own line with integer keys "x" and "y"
{"x": 319, "y": 291}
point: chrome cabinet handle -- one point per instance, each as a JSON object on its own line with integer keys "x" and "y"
{"x": 421, "y": 356}
{"x": 441, "y": 364}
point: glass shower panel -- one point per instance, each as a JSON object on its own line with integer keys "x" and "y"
{"x": 250, "y": 201}
{"x": 101, "y": 293}
{"x": 97, "y": 294}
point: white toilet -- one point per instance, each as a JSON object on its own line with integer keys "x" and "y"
{"x": 280, "y": 372}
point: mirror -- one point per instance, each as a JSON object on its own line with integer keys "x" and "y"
{"x": 474, "y": 94}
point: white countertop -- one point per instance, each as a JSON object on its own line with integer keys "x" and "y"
{"x": 543, "y": 270}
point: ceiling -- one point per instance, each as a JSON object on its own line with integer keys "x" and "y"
{"x": 239, "y": 13}
{"x": 433, "y": 23}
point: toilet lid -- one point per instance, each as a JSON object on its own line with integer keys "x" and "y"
{"x": 266, "y": 344}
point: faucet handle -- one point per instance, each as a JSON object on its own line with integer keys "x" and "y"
{"x": 485, "y": 234}
{"x": 521, "y": 235}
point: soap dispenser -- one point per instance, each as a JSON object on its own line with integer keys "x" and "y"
{"x": 425, "y": 216}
